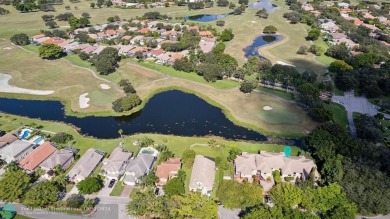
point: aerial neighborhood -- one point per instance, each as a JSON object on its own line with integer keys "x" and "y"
{"x": 194, "y": 109}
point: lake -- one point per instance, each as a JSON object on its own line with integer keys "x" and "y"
{"x": 206, "y": 17}
{"x": 262, "y": 40}
{"x": 171, "y": 112}
{"x": 266, "y": 4}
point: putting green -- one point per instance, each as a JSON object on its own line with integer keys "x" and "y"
{"x": 278, "y": 115}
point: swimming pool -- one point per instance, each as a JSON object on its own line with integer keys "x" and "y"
{"x": 146, "y": 151}
{"x": 25, "y": 133}
{"x": 38, "y": 140}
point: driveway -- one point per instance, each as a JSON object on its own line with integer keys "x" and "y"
{"x": 73, "y": 191}
{"x": 127, "y": 191}
{"x": 105, "y": 191}
{"x": 355, "y": 104}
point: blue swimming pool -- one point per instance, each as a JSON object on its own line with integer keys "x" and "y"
{"x": 38, "y": 140}
{"x": 25, "y": 134}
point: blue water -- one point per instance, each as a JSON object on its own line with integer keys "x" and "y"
{"x": 171, "y": 112}
{"x": 36, "y": 141}
{"x": 206, "y": 17}
{"x": 253, "y": 49}
{"x": 25, "y": 134}
{"x": 266, "y": 4}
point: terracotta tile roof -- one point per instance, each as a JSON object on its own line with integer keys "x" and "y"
{"x": 127, "y": 37}
{"x": 38, "y": 36}
{"x": 110, "y": 32}
{"x": 144, "y": 30}
{"x": 157, "y": 52}
{"x": 168, "y": 169}
{"x": 168, "y": 41}
{"x": 205, "y": 34}
{"x": 54, "y": 40}
{"x": 193, "y": 28}
{"x": 37, "y": 156}
{"x": 357, "y": 22}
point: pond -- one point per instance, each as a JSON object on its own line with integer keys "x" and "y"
{"x": 253, "y": 49}
{"x": 266, "y": 4}
{"x": 171, "y": 112}
{"x": 206, "y": 17}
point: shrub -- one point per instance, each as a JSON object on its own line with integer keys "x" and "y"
{"x": 276, "y": 175}
{"x": 61, "y": 138}
{"x": 288, "y": 178}
{"x": 220, "y": 23}
{"x": 20, "y": 39}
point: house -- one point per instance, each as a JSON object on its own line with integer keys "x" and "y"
{"x": 62, "y": 157}
{"x": 86, "y": 165}
{"x": 206, "y": 34}
{"x": 343, "y": 5}
{"x": 264, "y": 164}
{"x": 171, "y": 35}
{"x": 8, "y": 138}
{"x": 329, "y": 26}
{"x": 133, "y": 51}
{"x": 137, "y": 168}
{"x": 127, "y": 37}
{"x": 348, "y": 42}
{"x": 155, "y": 53}
{"x": 16, "y": 150}
{"x": 137, "y": 39}
{"x": 89, "y": 49}
{"x": 36, "y": 37}
{"x": 167, "y": 170}
{"x": 143, "y": 30}
{"x": 39, "y": 41}
{"x": 115, "y": 165}
{"x": 368, "y": 16}
{"x": 202, "y": 176}
{"x": 54, "y": 40}
{"x": 37, "y": 156}
{"x": 111, "y": 33}
{"x": 175, "y": 56}
{"x": 195, "y": 28}
{"x": 98, "y": 50}
{"x": 345, "y": 10}
{"x": 357, "y": 22}
{"x": 307, "y": 7}
{"x": 124, "y": 49}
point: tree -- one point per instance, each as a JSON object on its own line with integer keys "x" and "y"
{"x": 61, "y": 138}
{"x": 20, "y": 39}
{"x": 219, "y": 48}
{"x": 41, "y": 195}
{"x": 192, "y": 206}
{"x": 270, "y": 29}
{"x": 108, "y": 3}
{"x": 262, "y": 13}
{"x": 236, "y": 195}
{"x": 314, "y": 34}
{"x": 340, "y": 51}
{"x": 13, "y": 185}
{"x": 302, "y": 50}
{"x": 75, "y": 201}
{"x": 276, "y": 175}
{"x": 126, "y": 103}
{"x": 276, "y": 212}
{"x": 51, "y": 24}
{"x": 183, "y": 65}
{"x": 210, "y": 72}
{"x": 83, "y": 55}
{"x": 321, "y": 114}
{"x": 246, "y": 87}
{"x": 188, "y": 158}
{"x": 147, "y": 204}
{"x": 85, "y": 15}
{"x": 47, "y": 17}
{"x": 226, "y": 35}
{"x": 339, "y": 66}
{"x": 233, "y": 153}
{"x": 220, "y": 23}
{"x": 176, "y": 186}
{"x": 3, "y": 11}
{"x": 100, "y": 3}
{"x": 286, "y": 195}
{"x": 107, "y": 60}
{"x": 149, "y": 180}
{"x": 50, "y": 51}
{"x": 89, "y": 185}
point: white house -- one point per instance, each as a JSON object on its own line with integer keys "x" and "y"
{"x": 114, "y": 166}
{"x": 202, "y": 176}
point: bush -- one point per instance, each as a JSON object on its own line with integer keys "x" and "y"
{"x": 220, "y": 23}
{"x": 83, "y": 56}
{"x": 246, "y": 87}
{"x": 90, "y": 185}
{"x": 276, "y": 175}
{"x": 50, "y": 51}
{"x": 270, "y": 29}
{"x": 288, "y": 178}
{"x": 61, "y": 138}
{"x": 75, "y": 201}
{"x": 302, "y": 50}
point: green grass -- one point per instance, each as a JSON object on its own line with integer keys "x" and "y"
{"x": 339, "y": 114}
{"x": 118, "y": 189}
{"x": 221, "y": 84}
{"x": 279, "y": 93}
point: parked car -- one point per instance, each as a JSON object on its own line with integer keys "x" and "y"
{"x": 111, "y": 184}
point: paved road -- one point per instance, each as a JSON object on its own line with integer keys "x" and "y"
{"x": 105, "y": 191}
{"x": 355, "y": 104}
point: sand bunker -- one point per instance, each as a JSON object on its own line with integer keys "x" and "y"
{"x": 6, "y": 88}
{"x": 267, "y": 108}
{"x": 284, "y": 63}
{"x": 254, "y": 22}
{"x": 83, "y": 101}
{"x": 7, "y": 48}
{"x": 104, "y": 86}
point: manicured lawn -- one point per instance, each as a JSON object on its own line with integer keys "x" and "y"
{"x": 221, "y": 84}
{"x": 68, "y": 82}
{"x": 339, "y": 114}
{"x": 118, "y": 189}
{"x": 279, "y": 93}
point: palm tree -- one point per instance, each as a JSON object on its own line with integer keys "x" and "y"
{"x": 120, "y": 131}
{"x": 60, "y": 180}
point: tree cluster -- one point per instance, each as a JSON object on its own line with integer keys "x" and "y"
{"x": 90, "y": 185}
{"x": 3, "y": 11}
{"x": 106, "y": 61}
{"x": 20, "y": 39}
{"x": 50, "y": 51}
{"x": 61, "y": 138}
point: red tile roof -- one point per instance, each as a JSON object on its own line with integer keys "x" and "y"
{"x": 168, "y": 169}
{"x": 157, "y": 52}
{"x": 37, "y": 156}
{"x": 110, "y": 32}
{"x": 144, "y": 30}
{"x": 54, "y": 40}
